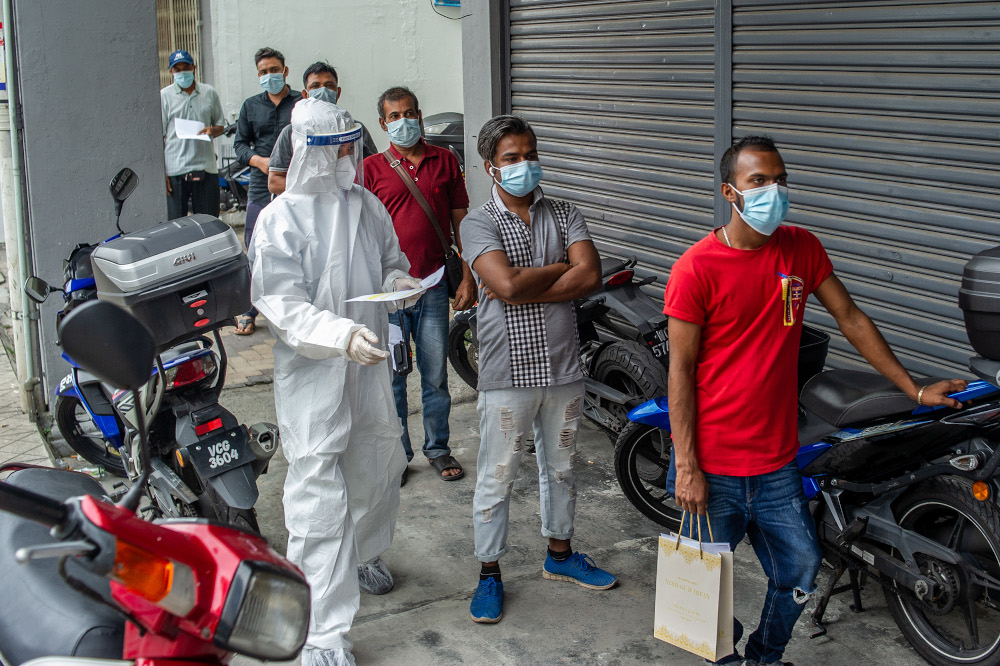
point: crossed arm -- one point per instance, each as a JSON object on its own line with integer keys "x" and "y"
{"x": 554, "y": 283}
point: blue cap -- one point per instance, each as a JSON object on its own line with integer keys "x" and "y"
{"x": 180, "y": 55}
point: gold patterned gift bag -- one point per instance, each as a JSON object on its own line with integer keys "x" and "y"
{"x": 694, "y": 594}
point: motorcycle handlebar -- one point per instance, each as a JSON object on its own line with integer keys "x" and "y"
{"x": 31, "y": 506}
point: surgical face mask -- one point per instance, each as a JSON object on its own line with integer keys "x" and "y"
{"x": 324, "y": 94}
{"x": 184, "y": 79}
{"x": 404, "y": 132}
{"x": 764, "y": 208}
{"x": 345, "y": 172}
{"x": 273, "y": 83}
{"x": 518, "y": 179}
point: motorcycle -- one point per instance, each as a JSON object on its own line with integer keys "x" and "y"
{"x": 205, "y": 462}
{"x": 623, "y": 345}
{"x": 234, "y": 180}
{"x": 95, "y": 582}
{"x": 904, "y": 495}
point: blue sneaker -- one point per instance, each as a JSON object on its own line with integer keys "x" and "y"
{"x": 578, "y": 569}
{"x": 487, "y": 602}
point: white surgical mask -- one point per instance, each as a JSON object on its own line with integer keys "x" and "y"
{"x": 345, "y": 172}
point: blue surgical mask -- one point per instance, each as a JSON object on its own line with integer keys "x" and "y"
{"x": 324, "y": 94}
{"x": 184, "y": 79}
{"x": 519, "y": 179}
{"x": 764, "y": 208}
{"x": 273, "y": 83}
{"x": 404, "y": 132}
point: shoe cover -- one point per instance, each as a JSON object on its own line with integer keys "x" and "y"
{"x": 374, "y": 577}
{"x": 335, "y": 657}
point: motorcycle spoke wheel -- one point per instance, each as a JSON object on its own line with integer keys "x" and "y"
{"x": 962, "y": 624}
{"x": 82, "y": 434}
{"x": 642, "y": 457}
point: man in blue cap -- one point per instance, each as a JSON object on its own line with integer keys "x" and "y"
{"x": 191, "y": 165}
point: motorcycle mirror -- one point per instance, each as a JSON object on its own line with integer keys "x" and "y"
{"x": 109, "y": 343}
{"x": 37, "y": 289}
{"x": 123, "y": 184}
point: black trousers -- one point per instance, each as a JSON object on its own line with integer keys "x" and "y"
{"x": 195, "y": 192}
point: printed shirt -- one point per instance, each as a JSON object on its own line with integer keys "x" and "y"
{"x": 183, "y": 156}
{"x": 257, "y": 129}
{"x": 439, "y": 179}
{"x": 749, "y": 304}
{"x": 536, "y": 344}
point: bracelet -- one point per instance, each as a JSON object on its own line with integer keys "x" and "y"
{"x": 920, "y": 394}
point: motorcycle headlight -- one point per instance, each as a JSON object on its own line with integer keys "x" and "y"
{"x": 266, "y": 614}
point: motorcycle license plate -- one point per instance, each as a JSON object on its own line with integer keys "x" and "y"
{"x": 657, "y": 341}
{"x": 221, "y": 453}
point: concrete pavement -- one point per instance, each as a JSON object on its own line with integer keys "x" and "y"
{"x": 425, "y": 619}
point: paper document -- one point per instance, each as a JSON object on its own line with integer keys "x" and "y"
{"x": 188, "y": 129}
{"x": 426, "y": 284}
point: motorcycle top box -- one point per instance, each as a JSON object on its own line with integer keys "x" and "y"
{"x": 179, "y": 278}
{"x": 979, "y": 298}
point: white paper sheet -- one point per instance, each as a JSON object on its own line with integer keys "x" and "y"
{"x": 188, "y": 129}
{"x": 426, "y": 284}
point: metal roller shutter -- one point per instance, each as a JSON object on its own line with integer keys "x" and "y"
{"x": 621, "y": 97}
{"x": 886, "y": 113}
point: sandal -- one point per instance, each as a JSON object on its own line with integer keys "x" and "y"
{"x": 245, "y": 325}
{"x": 441, "y": 463}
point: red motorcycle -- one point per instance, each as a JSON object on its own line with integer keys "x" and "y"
{"x": 104, "y": 584}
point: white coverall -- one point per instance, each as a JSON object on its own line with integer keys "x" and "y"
{"x": 315, "y": 246}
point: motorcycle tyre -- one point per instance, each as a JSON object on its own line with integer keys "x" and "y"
{"x": 211, "y": 506}
{"x": 631, "y": 480}
{"x": 458, "y": 352}
{"x": 638, "y": 365}
{"x": 956, "y": 494}
{"x": 85, "y": 447}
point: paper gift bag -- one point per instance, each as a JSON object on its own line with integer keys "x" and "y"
{"x": 694, "y": 596}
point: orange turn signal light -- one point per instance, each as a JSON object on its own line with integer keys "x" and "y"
{"x": 981, "y": 491}
{"x": 143, "y": 573}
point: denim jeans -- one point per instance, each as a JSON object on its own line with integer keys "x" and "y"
{"x": 427, "y": 327}
{"x": 771, "y": 509}
{"x": 505, "y": 415}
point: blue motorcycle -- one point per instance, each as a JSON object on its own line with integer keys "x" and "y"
{"x": 907, "y": 496}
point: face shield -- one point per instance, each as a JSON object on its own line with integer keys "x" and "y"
{"x": 327, "y": 150}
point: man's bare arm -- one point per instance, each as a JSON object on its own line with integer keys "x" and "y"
{"x": 512, "y": 283}
{"x": 691, "y": 488}
{"x": 583, "y": 278}
{"x": 276, "y": 182}
{"x": 861, "y": 332}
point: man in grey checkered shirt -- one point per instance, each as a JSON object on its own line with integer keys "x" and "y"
{"x": 532, "y": 257}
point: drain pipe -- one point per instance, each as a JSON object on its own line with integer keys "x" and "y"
{"x": 20, "y": 306}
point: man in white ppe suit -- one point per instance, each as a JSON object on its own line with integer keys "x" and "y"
{"x": 323, "y": 241}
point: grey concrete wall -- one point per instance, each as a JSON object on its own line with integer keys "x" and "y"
{"x": 484, "y": 51}
{"x": 90, "y": 101}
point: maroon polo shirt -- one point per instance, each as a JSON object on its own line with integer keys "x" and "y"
{"x": 440, "y": 181}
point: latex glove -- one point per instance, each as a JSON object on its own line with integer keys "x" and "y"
{"x": 361, "y": 348}
{"x": 403, "y": 283}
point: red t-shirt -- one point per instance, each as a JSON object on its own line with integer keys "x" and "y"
{"x": 440, "y": 180}
{"x": 749, "y": 304}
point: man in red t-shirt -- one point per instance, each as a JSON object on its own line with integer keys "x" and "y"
{"x": 437, "y": 176}
{"x": 735, "y": 301}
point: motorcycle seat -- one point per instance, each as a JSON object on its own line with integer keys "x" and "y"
{"x": 44, "y": 615}
{"x": 846, "y": 397}
{"x": 610, "y": 266}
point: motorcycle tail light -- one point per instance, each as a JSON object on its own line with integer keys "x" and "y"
{"x": 205, "y": 428}
{"x": 266, "y": 614}
{"x": 620, "y": 278}
{"x": 168, "y": 584}
{"x": 190, "y": 372}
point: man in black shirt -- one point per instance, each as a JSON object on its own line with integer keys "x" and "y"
{"x": 262, "y": 118}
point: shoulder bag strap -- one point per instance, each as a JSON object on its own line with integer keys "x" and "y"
{"x": 412, "y": 187}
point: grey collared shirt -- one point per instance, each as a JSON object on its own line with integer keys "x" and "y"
{"x": 186, "y": 155}
{"x": 535, "y": 344}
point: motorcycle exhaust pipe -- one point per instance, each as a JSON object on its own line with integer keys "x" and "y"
{"x": 264, "y": 439}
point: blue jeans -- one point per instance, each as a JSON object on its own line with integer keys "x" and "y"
{"x": 771, "y": 509}
{"x": 427, "y": 326}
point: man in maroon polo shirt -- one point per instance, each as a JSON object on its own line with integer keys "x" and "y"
{"x": 436, "y": 174}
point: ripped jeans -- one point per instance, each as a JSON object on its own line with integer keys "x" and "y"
{"x": 770, "y": 509}
{"x": 506, "y": 417}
